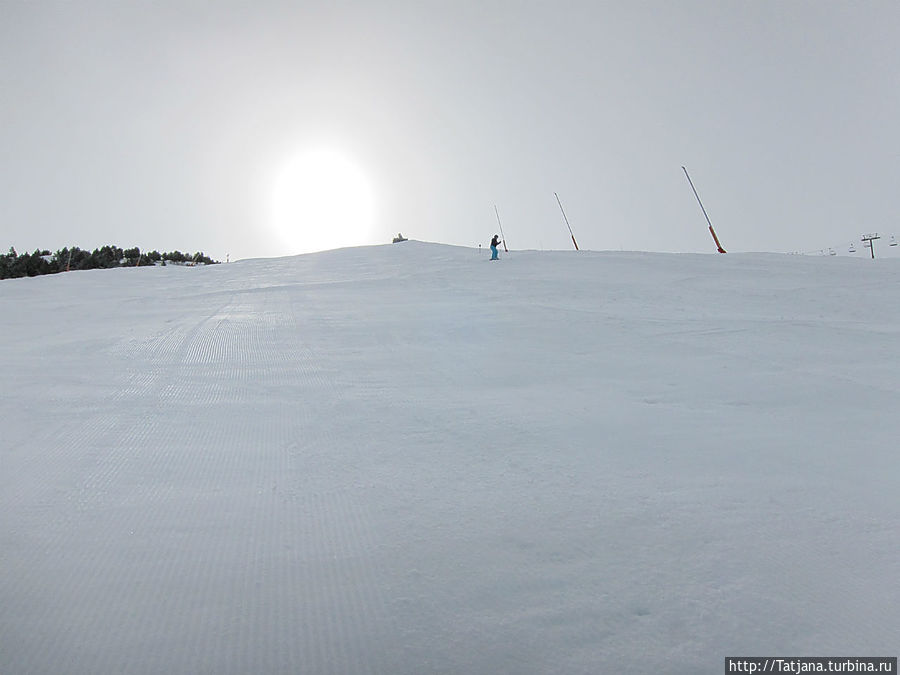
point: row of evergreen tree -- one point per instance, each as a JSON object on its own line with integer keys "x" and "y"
{"x": 13, "y": 265}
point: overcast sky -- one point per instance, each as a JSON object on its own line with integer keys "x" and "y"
{"x": 165, "y": 124}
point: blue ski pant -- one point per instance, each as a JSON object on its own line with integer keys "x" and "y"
{"x": 494, "y": 253}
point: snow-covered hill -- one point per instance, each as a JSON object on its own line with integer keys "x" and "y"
{"x": 407, "y": 459}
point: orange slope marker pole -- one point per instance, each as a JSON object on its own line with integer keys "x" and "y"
{"x": 567, "y": 220}
{"x": 711, "y": 230}
{"x": 505, "y": 250}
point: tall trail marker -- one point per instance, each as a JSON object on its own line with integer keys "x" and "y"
{"x": 711, "y": 230}
{"x": 503, "y": 236}
{"x": 566, "y": 219}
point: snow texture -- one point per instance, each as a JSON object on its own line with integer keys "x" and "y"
{"x": 404, "y": 459}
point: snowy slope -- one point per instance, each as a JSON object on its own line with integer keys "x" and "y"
{"x": 406, "y": 459}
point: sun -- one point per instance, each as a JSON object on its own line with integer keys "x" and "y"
{"x": 322, "y": 200}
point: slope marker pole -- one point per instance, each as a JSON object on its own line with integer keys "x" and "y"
{"x": 711, "y": 230}
{"x": 501, "y": 229}
{"x": 566, "y": 219}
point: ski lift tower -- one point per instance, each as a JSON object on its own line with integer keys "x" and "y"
{"x": 869, "y": 240}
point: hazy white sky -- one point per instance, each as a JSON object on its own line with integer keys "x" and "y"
{"x": 167, "y": 124}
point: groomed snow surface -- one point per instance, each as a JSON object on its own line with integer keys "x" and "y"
{"x": 407, "y": 459}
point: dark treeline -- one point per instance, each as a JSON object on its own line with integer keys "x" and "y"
{"x": 13, "y": 265}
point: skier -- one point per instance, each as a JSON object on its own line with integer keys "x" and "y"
{"x": 494, "y": 243}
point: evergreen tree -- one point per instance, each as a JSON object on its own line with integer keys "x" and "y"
{"x": 132, "y": 256}
{"x": 13, "y": 265}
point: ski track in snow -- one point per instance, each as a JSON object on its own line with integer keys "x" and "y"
{"x": 246, "y": 585}
{"x": 360, "y": 462}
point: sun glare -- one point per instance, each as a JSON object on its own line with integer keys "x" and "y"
{"x": 322, "y": 200}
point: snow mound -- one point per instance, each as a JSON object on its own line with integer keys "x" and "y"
{"x": 407, "y": 459}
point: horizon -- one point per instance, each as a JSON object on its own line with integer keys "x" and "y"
{"x": 884, "y": 250}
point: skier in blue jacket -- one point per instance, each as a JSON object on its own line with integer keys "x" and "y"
{"x": 495, "y": 242}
